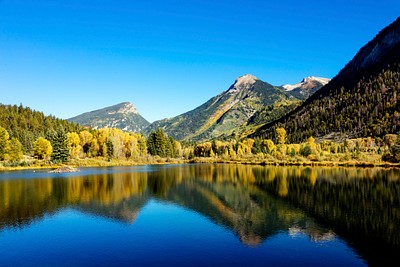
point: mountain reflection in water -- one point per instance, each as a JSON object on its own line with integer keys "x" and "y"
{"x": 362, "y": 206}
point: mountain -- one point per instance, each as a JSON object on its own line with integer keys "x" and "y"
{"x": 123, "y": 116}
{"x": 300, "y": 91}
{"x": 224, "y": 113}
{"x": 362, "y": 100}
{"x": 306, "y": 87}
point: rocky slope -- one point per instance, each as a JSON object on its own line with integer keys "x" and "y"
{"x": 224, "y": 113}
{"x": 123, "y": 116}
{"x": 306, "y": 87}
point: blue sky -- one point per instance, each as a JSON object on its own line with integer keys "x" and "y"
{"x": 67, "y": 57}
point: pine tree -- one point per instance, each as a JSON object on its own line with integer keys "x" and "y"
{"x": 59, "y": 142}
{"x": 110, "y": 149}
{"x": 151, "y": 143}
{"x": 257, "y": 145}
{"x": 159, "y": 144}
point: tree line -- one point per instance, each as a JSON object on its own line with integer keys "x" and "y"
{"x": 61, "y": 146}
{"x": 109, "y": 143}
{"x": 387, "y": 148}
{"x": 26, "y": 125}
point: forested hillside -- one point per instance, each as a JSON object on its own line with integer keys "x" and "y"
{"x": 362, "y": 100}
{"x": 27, "y": 125}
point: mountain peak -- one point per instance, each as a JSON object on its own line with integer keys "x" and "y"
{"x": 124, "y": 116}
{"x": 306, "y": 82}
{"x": 308, "y": 86}
{"x": 318, "y": 79}
{"x": 124, "y": 108}
{"x": 244, "y": 80}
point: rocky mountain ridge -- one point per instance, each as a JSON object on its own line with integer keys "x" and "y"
{"x": 124, "y": 116}
{"x": 306, "y": 87}
{"x": 223, "y": 114}
{"x": 248, "y": 101}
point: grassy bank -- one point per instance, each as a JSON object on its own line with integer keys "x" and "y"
{"x": 250, "y": 160}
{"x": 298, "y": 163}
{"x": 88, "y": 162}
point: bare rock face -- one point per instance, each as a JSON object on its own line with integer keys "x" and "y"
{"x": 306, "y": 87}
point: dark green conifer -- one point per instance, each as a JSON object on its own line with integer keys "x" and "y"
{"x": 59, "y": 142}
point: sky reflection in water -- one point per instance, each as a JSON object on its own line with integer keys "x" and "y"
{"x": 200, "y": 214}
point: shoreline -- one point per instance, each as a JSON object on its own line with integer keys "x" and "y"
{"x": 164, "y": 161}
{"x": 360, "y": 164}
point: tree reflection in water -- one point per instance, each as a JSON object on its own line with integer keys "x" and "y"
{"x": 362, "y": 206}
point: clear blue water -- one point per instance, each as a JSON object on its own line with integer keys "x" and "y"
{"x": 185, "y": 215}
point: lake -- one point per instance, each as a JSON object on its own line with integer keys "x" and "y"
{"x": 201, "y": 215}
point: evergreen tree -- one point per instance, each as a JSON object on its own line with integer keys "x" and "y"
{"x": 59, "y": 142}
{"x": 159, "y": 144}
{"x": 257, "y": 145}
{"x": 151, "y": 144}
{"x": 170, "y": 152}
{"x": 110, "y": 149}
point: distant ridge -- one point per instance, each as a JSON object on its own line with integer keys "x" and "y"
{"x": 123, "y": 116}
{"x": 306, "y": 87}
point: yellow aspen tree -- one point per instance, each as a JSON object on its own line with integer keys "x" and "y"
{"x": 178, "y": 149}
{"x": 280, "y": 134}
{"x": 94, "y": 148}
{"x": 74, "y": 145}
{"x": 14, "y": 150}
{"x": 131, "y": 145}
{"x": 142, "y": 144}
{"x": 42, "y": 148}
{"x": 4, "y": 136}
{"x": 86, "y": 139}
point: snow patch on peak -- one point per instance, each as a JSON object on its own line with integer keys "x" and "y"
{"x": 318, "y": 79}
{"x": 245, "y": 79}
{"x": 309, "y": 79}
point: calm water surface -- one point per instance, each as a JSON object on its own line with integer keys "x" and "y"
{"x": 201, "y": 215}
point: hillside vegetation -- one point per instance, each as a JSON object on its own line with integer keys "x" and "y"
{"x": 27, "y": 125}
{"x": 362, "y": 100}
